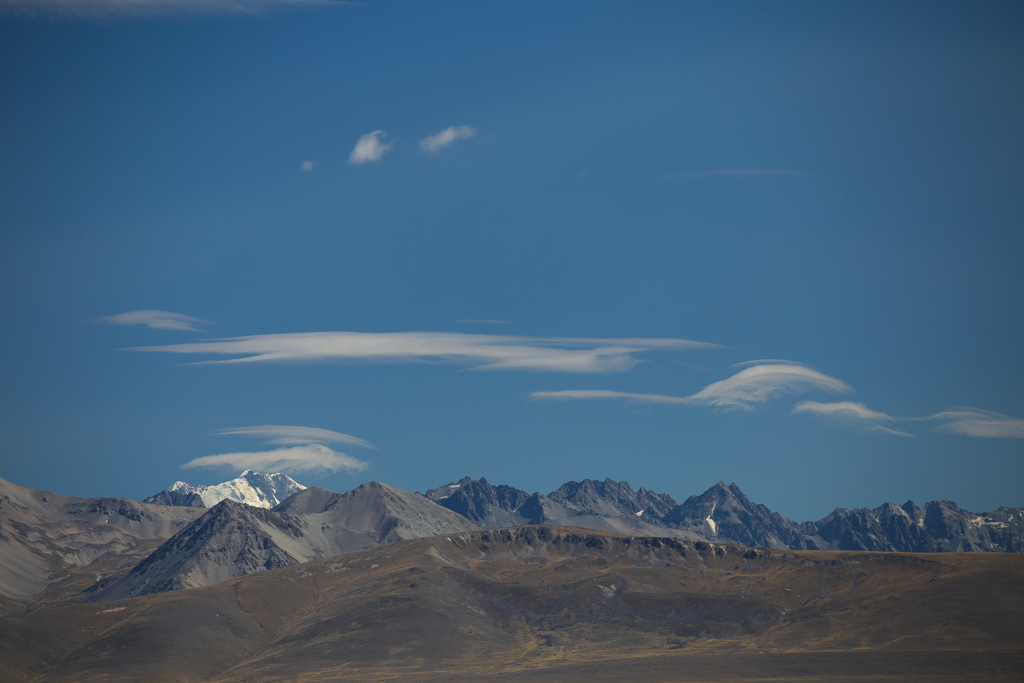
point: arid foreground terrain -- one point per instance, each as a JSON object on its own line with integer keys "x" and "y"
{"x": 540, "y": 603}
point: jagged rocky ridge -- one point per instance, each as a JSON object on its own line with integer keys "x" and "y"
{"x": 724, "y": 513}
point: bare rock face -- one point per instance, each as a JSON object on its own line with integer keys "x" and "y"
{"x": 43, "y": 536}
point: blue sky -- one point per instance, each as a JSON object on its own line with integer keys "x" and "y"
{"x": 506, "y": 225}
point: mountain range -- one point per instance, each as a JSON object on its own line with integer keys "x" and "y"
{"x": 380, "y": 583}
{"x": 58, "y": 549}
{"x": 723, "y": 513}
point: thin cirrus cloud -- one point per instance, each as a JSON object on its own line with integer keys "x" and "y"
{"x": 313, "y": 457}
{"x": 849, "y": 413}
{"x": 293, "y": 434}
{"x": 587, "y": 394}
{"x": 157, "y": 320}
{"x": 98, "y": 9}
{"x": 369, "y": 147}
{"x": 308, "y": 165}
{"x": 980, "y": 423}
{"x": 435, "y": 143}
{"x": 478, "y": 351}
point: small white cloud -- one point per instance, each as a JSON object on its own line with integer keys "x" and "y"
{"x": 98, "y": 9}
{"x": 759, "y": 384}
{"x": 981, "y": 423}
{"x": 310, "y": 458}
{"x": 293, "y": 434}
{"x": 850, "y": 413}
{"x": 307, "y": 166}
{"x": 369, "y": 147}
{"x": 436, "y": 143}
{"x": 158, "y": 320}
{"x": 585, "y": 394}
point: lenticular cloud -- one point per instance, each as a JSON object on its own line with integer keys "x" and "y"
{"x": 293, "y": 434}
{"x": 479, "y": 351}
{"x": 759, "y": 384}
{"x": 310, "y": 458}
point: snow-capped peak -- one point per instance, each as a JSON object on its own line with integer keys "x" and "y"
{"x": 251, "y": 488}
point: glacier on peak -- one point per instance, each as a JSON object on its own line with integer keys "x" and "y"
{"x": 252, "y": 488}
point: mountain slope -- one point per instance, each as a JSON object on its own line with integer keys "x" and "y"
{"x": 46, "y": 538}
{"x": 545, "y": 604}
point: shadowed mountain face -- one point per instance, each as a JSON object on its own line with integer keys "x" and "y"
{"x": 48, "y": 539}
{"x": 545, "y": 604}
{"x": 234, "y": 540}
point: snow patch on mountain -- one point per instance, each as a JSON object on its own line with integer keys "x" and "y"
{"x": 252, "y": 488}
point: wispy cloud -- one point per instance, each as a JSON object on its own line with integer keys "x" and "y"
{"x": 295, "y": 435}
{"x": 584, "y": 394}
{"x": 307, "y": 166}
{"x": 309, "y": 458}
{"x": 981, "y": 423}
{"x": 759, "y": 384}
{"x": 369, "y": 147}
{"x": 850, "y": 413}
{"x": 99, "y": 9}
{"x": 158, "y": 320}
{"x": 741, "y": 173}
{"x": 491, "y": 352}
{"x": 435, "y": 143}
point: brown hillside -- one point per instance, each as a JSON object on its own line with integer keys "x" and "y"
{"x": 551, "y": 604}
